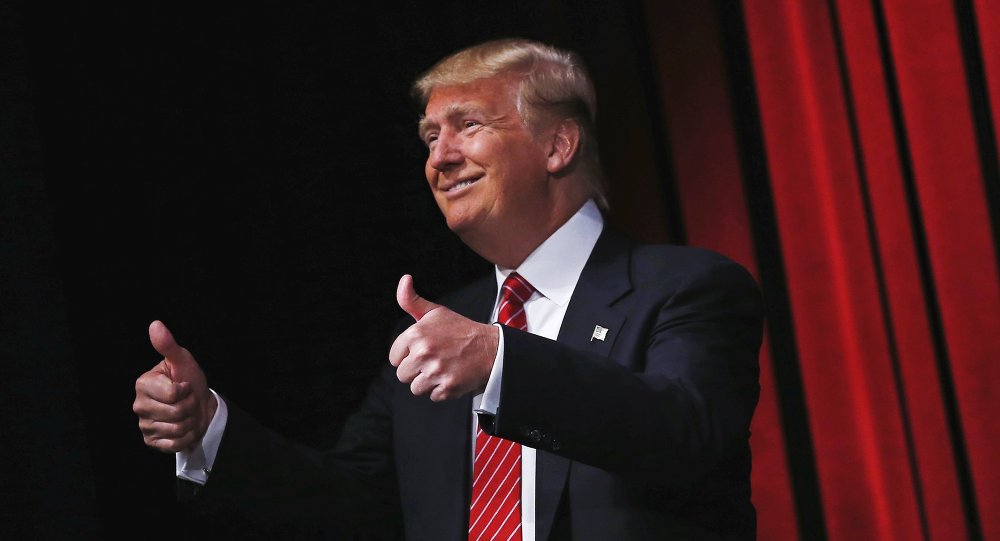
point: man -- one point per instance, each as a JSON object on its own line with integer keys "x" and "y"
{"x": 613, "y": 397}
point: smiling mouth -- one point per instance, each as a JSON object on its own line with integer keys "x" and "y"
{"x": 462, "y": 185}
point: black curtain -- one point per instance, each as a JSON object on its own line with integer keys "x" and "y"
{"x": 252, "y": 177}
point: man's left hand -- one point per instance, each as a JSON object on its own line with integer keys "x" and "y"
{"x": 443, "y": 354}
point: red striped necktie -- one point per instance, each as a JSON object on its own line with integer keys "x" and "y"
{"x": 496, "y": 487}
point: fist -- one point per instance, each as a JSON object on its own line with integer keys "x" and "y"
{"x": 172, "y": 400}
{"x": 443, "y": 354}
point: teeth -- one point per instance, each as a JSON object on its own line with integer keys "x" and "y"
{"x": 461, "y": 185}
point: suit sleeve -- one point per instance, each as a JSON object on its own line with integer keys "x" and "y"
{"x": 674, "y": 401}
{"x": 264, "y": 484}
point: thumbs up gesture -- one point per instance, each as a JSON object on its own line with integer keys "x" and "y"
{"x": 172, "y": 400}
{"x": 443, "y": 354}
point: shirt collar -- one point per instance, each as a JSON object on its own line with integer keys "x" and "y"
{"x": 555, "y": 266}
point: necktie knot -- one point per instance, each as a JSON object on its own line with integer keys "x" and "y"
{"x": 516, "y": 287}
{"x": 515, "y": 292}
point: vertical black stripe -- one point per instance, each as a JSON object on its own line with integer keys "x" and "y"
{"x": 784, "y": 350}
{"x": 966, "y": 491}
{"x": 982, "y": 117}
{"x": 657, "y": 128}
{"x": 873, "y": 245}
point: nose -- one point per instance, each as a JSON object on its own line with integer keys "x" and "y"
{"x": 446, "y": 152}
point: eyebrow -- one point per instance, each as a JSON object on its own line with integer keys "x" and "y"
{"x": 424, "y": 126}
{"x": 450, "y": 110}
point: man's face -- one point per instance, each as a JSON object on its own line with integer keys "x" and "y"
{"x": 486, "y": 169}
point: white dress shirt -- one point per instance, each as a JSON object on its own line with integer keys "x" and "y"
{"x": 553, "y": 269}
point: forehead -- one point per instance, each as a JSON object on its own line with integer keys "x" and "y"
{"x": 496, "y": 95}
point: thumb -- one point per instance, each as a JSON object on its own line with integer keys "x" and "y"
{"x": 164, "y": 343}
{"x": 409, "y": 301}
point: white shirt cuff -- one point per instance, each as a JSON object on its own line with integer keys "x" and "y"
{"x": 491, "y": 396}
{"x": 196, "y": 464}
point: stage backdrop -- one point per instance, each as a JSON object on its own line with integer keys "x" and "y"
{"x": 845, "y": 150}
{"x": 251, "y": 175}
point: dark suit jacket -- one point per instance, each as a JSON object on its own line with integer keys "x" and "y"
{"x": 641, "y": 435}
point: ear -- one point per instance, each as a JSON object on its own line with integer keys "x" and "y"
{"x": 565, "y": 146}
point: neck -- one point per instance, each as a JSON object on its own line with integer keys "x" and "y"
{"x": 509, "y": 248}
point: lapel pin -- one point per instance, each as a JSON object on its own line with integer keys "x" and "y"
{"x": 599, "y": 333}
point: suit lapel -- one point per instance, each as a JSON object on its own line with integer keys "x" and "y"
{"x": 605, "y": 279}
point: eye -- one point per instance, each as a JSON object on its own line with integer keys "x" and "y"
{"x": 430, "y": 138}
{"x": 470, "y": 124}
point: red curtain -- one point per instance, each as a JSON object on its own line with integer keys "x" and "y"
{"x": 845, "y": 152}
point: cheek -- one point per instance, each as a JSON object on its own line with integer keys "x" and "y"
{"x": 430, "y": 173}
{"x": 482, "y": 150}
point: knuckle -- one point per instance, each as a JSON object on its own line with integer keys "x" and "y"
{"x": 401, "y": 376}
{"x": 422, "y": 351}
{"x": 176, "y": 412}
{"x": 407, "y": 337}
{"x": 168, "y": 430}
{"x": 170, "y": 394}
{"x": 171, "y": 412}
{"x": 142, "y": 410}
{"x": 144, "y": 378}
{"x": 148, "y": 380}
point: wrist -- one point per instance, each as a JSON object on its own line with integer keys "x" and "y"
{"x": 491, "y": 342}
{"x": 208, "y": 412}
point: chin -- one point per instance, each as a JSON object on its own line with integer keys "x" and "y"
{"x": 459, "y": 227}
{"x": 463, "y": 226}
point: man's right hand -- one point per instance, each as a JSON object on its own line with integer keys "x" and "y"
{"x": 172, "y": 400}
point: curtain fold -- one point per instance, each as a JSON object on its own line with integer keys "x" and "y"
{"x": 873, "y": 123}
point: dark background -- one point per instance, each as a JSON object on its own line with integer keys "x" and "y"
{"x": 249, "y": 175}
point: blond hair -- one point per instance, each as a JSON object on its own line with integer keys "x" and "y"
{"x": 554, "y": 83}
